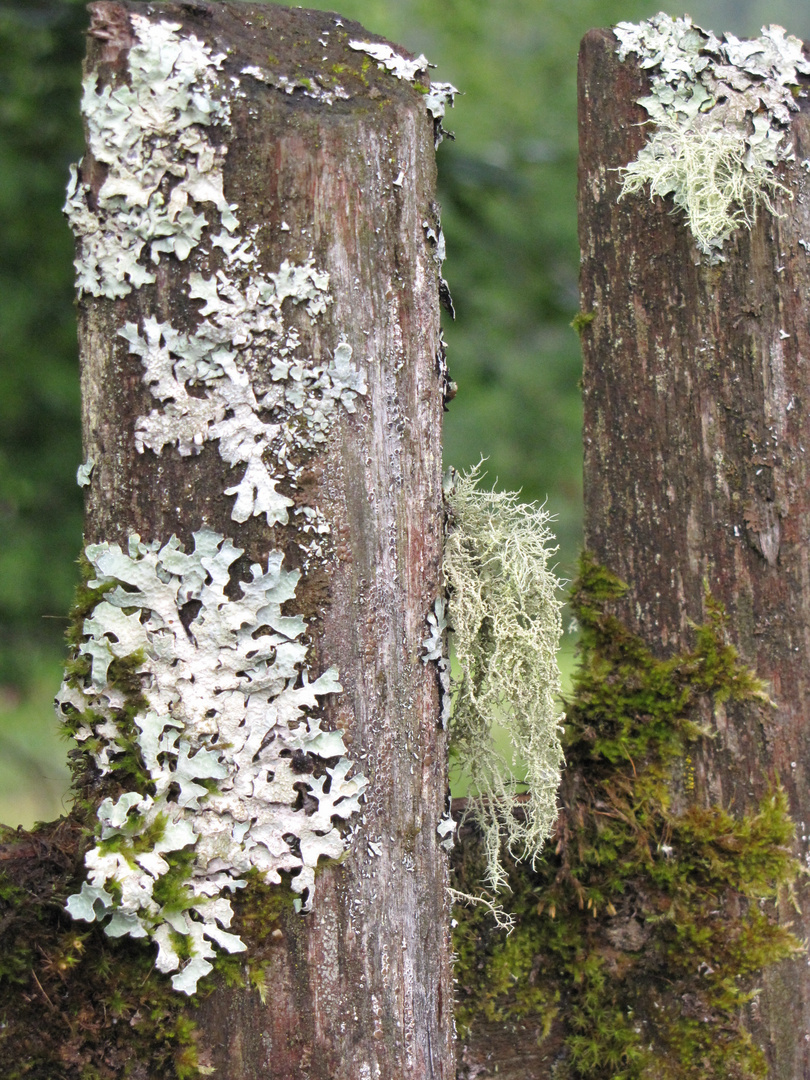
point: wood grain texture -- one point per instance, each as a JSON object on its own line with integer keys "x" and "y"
{"x": 361, "y": 987}
{"x": 697, "y": 441}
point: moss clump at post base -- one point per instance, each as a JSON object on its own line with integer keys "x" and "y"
{"x": 640, "y": 934}
{"x": 73, "y": 1003}
{"x": 77, "y": 1005}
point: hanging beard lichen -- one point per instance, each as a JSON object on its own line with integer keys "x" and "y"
{"x": 504, "y": 613}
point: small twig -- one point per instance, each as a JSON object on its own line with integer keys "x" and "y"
{"x": 39, "y": 984}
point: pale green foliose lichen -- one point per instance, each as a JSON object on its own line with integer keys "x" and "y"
{"x": 399, "y": 66}
{"x": 229, "y": 701}
{"x": 440, "y": 95}
{"x": 435, "y": 646}
{"x": 84, "y": 472}
{"x": 262, "y": 400}
{"x": 229, "y": 698}
{"x": 150, "y": 133}
{"x": 310, "y": 88}
{"x": 721, "y": 109}
{"x": 446, "y": 830}
{"x": 504, "y": 613}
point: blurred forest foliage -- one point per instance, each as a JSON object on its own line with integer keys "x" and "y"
{"x": 508, "y": 191}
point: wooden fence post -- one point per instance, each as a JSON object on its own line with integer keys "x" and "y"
{"x": 697, "y": 439}
{"x": 258, "y": 266}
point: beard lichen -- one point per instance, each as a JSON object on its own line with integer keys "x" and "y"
{"x": 640, "y": 935}
{"x": 504, "y": 614}
{"x": 721, "y": 109}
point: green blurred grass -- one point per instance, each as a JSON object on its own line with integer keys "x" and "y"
{"x": 34, "y": 777}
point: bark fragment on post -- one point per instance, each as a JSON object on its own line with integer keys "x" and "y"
{"x": 696, "y": 431}
{"x": 259, "y": 330}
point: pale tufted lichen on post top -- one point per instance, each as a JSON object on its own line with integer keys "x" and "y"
{"x": 721, "y": 109}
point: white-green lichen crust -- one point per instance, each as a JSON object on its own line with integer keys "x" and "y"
{"x": 435, "y": 646}
{"x": 229, "y": 702}
{"x": 153, "y": 136}
{"x": 262, "y": 399}
{"x": 721, "y": 109}
{"x": 162, "y": 169}
{"x": 440, "y": 95}
{"x": 504, "y": 612}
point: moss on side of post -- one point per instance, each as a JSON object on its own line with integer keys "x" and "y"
{"x": 639, "y": 936}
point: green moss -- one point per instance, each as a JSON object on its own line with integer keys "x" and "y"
{"x": 639, "y": 935}
{"x": 582, "y": 319}
{"x": 123, "y": 675}
{"x": 84, "y": 600}
{"x": 265, "y": 916}
{"x": 74, "y": 1003}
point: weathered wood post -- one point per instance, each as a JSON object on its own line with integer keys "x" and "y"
{"x": 258, "y": 260}
{"x": 697, "y": 396}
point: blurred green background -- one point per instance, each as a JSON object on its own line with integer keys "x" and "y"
{"x": 508, "y": 191}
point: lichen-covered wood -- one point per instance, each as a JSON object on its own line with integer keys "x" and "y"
{"x": 669, "y": 894}
{"x": 696, "y": 474}
{"x": 258, "y": 272}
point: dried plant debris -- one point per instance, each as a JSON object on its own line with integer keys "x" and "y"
{"x": 504, "y": 611}
{"x": 236, "y": 770}
{"x": 721, "y": 109}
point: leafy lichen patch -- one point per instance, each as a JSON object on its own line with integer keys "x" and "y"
{"x": 262, "y": 399}
{"x": 229, "y": 712}
{"x": 721, "y": 109}
{"x": 200, "y": 704}
{"x": 309, "y": 87}
{"x": 439, "y": 95}
{"x": 435, "y": 646}
{"x": 150, "y": 134}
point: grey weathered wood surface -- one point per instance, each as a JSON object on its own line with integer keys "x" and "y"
{"x": 360, "y": 988}
{"x": 697, "y": 461}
